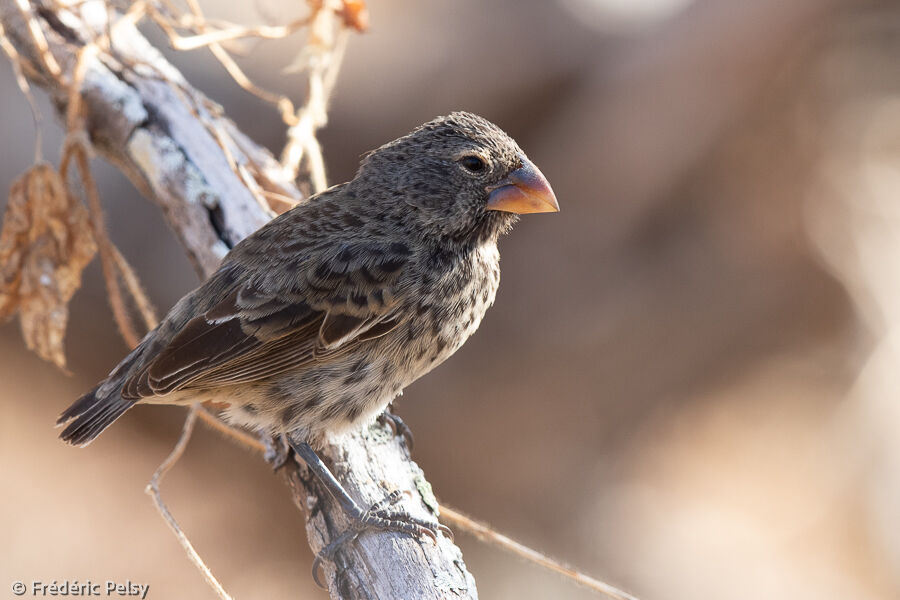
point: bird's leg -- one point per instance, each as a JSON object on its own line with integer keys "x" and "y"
{"x": 379, "y": 516}
{"x": 398, "y": 426}
{"x": 278, "y": 449}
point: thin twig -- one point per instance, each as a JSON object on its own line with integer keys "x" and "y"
{"x": 284, "y": 104}
{"x": 136, "y": 290}
{"x": 322, "y": 61}
{"x": 321, "y": 58}
{"x": 456, "y": 519}
{"x": 152, "y": 489}
{"x": 278, "y": 202}
{"x": 225, "y": 142}
{"x": 269, "y": 32}
{"x": 75, "y": 148}
{"x": 491, "y": 536}
{"x": 114, "y": 264}
{"x": 74, "y": 109}
{"x": 22, "y": 82}
{"x": 202, "y": 108}
{"x": 40, "y": 42}
{"x": 236, "y": 435}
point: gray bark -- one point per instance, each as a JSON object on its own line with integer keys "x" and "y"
{"x": 143, "y": 117}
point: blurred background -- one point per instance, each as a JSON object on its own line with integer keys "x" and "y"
{"x": 688, "y": 384}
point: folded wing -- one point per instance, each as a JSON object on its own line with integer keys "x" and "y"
{"x": 268, "y": 324}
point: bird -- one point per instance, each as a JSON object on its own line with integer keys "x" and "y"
{"x": 317, "y": 321}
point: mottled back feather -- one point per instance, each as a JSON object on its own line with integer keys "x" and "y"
{"x": 338, "y": 296}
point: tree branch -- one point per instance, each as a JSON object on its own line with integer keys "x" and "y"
{"x": 176, "y": 147}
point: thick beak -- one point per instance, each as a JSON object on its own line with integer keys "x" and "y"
{"x": 524, "y": 190}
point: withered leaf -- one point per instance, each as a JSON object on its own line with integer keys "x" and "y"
{"x": 45, "y": 244}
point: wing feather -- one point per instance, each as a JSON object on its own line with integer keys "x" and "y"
{"x": 264, "y": 326}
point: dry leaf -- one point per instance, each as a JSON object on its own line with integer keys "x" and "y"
{"x": 45, "y": 243}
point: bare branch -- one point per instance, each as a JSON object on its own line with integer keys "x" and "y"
{"x": 142, "y": 116}
{"x": 454, "y": 518}
{"x": 320, "y": 59}
{"x": 208, "y": 178}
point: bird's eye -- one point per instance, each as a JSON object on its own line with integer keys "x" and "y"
{"x": 472, "y": 163}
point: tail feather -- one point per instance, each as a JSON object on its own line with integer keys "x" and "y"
{"x": 92, "y": 413}
{"x": 79, "y": 406}
{"x": 96, "y": 410}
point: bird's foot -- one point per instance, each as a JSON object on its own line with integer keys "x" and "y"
{"x": 379, "y": 517}
{"x": 278, "y": 450}
{"x": 398, "y": 427}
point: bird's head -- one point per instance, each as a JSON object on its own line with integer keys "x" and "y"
{"x": 459, "y": 177}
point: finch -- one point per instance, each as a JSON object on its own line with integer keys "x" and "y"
{"x": 318, "y": 320}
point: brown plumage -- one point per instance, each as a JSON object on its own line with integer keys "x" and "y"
{"x": 320, "y": 318}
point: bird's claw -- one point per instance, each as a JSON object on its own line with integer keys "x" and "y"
{"x": 278, "y": 450}
{"x": 379, "y": 517}
{"x": 398, "y": 427}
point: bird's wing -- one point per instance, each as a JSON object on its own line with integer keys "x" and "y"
{"x": 332, "y": 301}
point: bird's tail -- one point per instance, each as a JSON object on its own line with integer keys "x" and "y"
{"x": 96, "y": 410}
{"x": 92, "y": 413}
